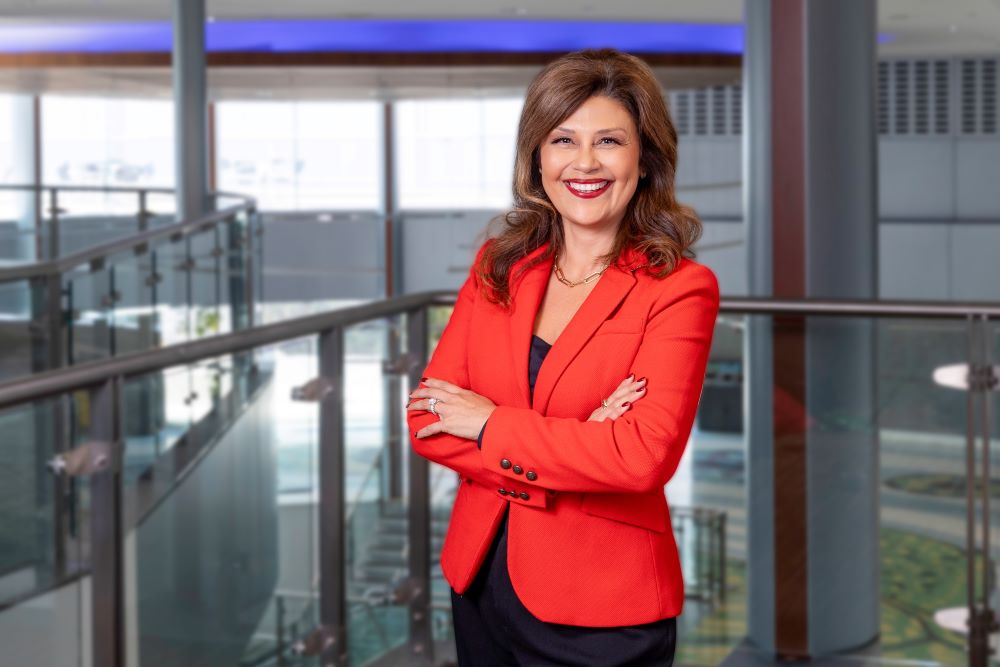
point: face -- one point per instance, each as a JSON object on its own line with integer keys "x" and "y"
{"x": 590, "y": 164}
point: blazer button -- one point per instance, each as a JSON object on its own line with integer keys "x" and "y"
{"x": 518, "y": 470}
{"x": 503, "y": 492}
{"x": 505, "y": 464}
{"x": 524, "y": 495}
{"x": 532, "y": 476}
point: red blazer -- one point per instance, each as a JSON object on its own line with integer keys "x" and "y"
{"x": 589, "y": 533}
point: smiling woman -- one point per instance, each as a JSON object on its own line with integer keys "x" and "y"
{"x": 565, "y": 385}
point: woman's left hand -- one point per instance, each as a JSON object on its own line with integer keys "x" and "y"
{"x": 461, "y": 412}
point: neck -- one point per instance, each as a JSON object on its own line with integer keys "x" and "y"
{"x": 582, "y": 251}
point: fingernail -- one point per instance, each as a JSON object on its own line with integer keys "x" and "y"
{"x": 626, "y": 404}
{"x": 641, "y": 389}
{"x": 423, "y": 379}
{"x": 642, "y": 379}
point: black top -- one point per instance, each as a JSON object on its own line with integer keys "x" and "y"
{"x": 539, "y": 348}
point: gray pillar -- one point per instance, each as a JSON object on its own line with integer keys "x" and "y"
{"x": 190, "y": 108}
{"x": 811, "y": 195}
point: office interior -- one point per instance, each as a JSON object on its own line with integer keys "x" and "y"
{"x": 231, "y": 234}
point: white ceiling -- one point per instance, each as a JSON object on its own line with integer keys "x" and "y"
{"x": 916, "y": 27}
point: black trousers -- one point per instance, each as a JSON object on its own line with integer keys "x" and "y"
{"x": 493, "y": 629}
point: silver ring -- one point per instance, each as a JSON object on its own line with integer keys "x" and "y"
{"x": 431, "y": 403}
{"x": 604, "y": 402}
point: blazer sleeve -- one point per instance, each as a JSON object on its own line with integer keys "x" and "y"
{"x": 640, "y": 450}
{"x": 449, "y": 362}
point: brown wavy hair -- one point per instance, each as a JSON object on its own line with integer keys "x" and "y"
{"x": 654, "y": 223}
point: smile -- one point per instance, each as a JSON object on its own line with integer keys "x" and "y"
{"x": 587, "y": 189}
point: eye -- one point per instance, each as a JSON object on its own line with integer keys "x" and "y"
{"x": 609, "y": 140}
{"x": 562, "y": 140}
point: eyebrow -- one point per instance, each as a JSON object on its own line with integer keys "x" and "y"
{"x": 605, "y": 130}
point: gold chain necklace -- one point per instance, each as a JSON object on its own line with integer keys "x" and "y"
{"x": 569, "y": 283}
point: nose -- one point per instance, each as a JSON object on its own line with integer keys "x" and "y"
{"x": 586, "y": 159}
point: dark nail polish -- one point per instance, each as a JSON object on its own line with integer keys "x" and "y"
{"x": 626, "y": 404}
{"x": 642, "y": 379}
{"x": 423, "y": 379}
{"x": 641, "y": 389}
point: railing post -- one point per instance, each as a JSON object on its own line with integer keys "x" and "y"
{"x": 722, "y": 556}
{"x": 143, "y": 218}
{"x": 332, "y": 524}
{"x": 106, "y": 536}
{"x": 979, "y": 382}
{"x": 54, "y": 223}
{"x": 419, "y": 523}
{"x": 247, "y": 250}
{"x": 392, "y": 487}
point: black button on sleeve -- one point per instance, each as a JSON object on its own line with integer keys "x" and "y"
{"x": 524, "y": 495}
{"x": 518, "y": 470}
{"x": 532, "y": 475}
{"x": 505, "y": 464}
{"x": 503, "y": 492}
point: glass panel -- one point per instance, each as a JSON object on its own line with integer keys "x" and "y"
{"x": 294, "y": 428}
{"x": 88, "y": 219}
{"x": 878, "y": 432}
{"x": 90, "y": 298}
{"x": 922, "y": 454}
{"x": 24, "y": 345}
{"x": 170, "y": 294}
{"x": 205, "y": 274}
{"x": 232, "y": 239}
{"x": 131, "y": 295}
{"x": 160, "y": 209}
{"x": 707, "y": 505}
{"x": 175, "y": 391}
{"x": 35, "y": 553}
{"x": 377, "y": 518}
{"x": 207, "y": 550}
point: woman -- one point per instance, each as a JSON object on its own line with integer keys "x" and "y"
{"x": 560, "y": 549}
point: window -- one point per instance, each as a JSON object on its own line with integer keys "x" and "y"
{"x": 301, "y": 155}
{"x": 456, "y": 153}
{"x": 106, "y": 142}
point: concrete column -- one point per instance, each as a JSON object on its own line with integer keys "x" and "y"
{"x": 811, "y": 197}
{"x": 190, "y": 108}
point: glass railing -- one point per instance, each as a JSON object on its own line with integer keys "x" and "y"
{"x": 272, "y": 513}
{"x": 101, "y": 272}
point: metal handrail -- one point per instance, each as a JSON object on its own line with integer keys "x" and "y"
{"x": 99, "y": 252}
{"x": 859, "y": 307}
{"x": 110, "y": 188}
{"x": 64, "y": 380}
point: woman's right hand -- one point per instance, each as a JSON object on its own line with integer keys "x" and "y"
{"x": 620, "y": 400}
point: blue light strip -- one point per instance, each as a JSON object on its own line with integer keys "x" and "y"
{"x": 410, "y": 36}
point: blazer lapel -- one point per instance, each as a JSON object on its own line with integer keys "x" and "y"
{"x": 526, "y": 299}
{"x": 609, "y": 291}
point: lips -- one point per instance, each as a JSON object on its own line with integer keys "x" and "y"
{"x": 588, "y": 189}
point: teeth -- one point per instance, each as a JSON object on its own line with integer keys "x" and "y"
{"x": 588, "y": 187}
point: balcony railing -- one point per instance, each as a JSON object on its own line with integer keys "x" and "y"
{"x": 187, "y": 565}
